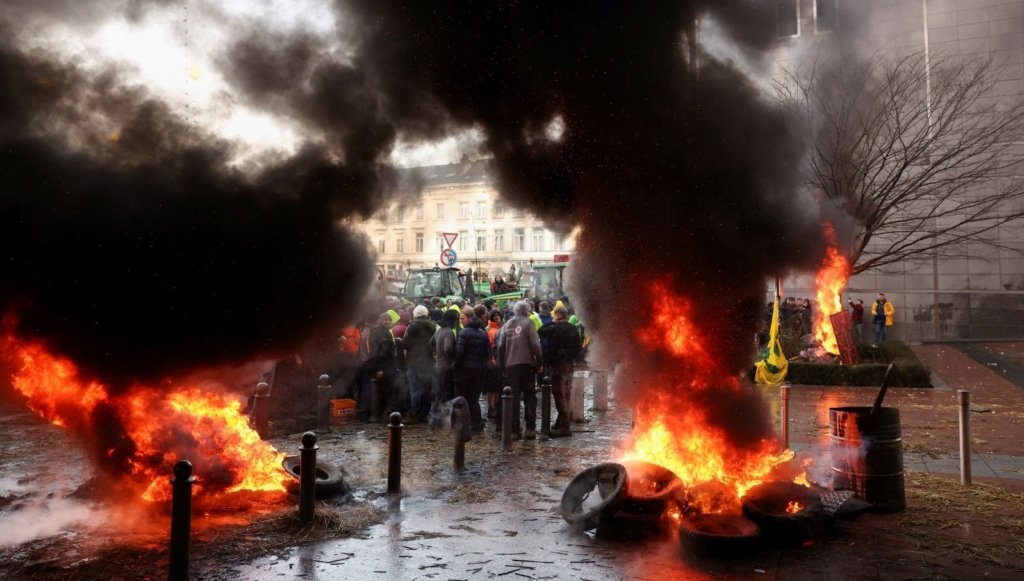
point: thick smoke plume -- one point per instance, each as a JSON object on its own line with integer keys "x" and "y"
{"x": 140, "y": 254}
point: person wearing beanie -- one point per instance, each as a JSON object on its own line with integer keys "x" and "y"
{"x": 472, "y": 350}
{"x": 419, "y": 363}
{"x": 561, "y": 344}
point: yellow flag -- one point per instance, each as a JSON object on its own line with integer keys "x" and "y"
{"x": 772, "y": 366}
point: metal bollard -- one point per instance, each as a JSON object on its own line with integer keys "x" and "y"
{"x": 307, "y": 477}
{"x": 506, "y": 418}
{"x": 545, "y": 407}
{"x": 323, "y": 405}
{"x": 784, "y": 393}
{"x": 395, "y": 453}
{"x": 261, "y": 409}
{"x": 600, "y": 391}
{"x": 376, "y": 401}
{"x": 458, "y": 422}
{"x": 576, "y": 413}
{"x": 181, "y": 520}
{"x": 965, "y": 436}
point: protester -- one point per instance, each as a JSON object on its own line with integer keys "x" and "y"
{"x": 882, "y": 313}
{"x": 493, "y": 379}
{"x": 381, "y": 365}
{"x": 561, "y": 340}
{"x": 857, "y": 319}
{"x": 519, "y": 355}
{"x": 472, "y": 352}
{"x": 419, "y": 363}
{"x": 443, "y": 347}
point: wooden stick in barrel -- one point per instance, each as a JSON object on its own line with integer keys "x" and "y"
{"x": 885, "y": 386}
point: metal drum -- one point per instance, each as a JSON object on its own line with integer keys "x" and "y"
{"x": 867, "y": 455}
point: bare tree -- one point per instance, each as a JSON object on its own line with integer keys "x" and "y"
{"x": 920, "y": 154}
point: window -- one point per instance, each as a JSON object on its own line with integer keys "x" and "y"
{"x": 384, "y": 215}
{"x": 538, "y": 239}
{"x": 499, "y": 209}
{"x": 419, "y": 242}
{"x": 439, "y": 211}
{"x": 481, "y": 241}
{"x": 499, "y": 240}
{"x": 824, "y": 15}
{"x": 787, "y": 17}
{"x": 440, "y": 241}
{"x": 560, "y": 241}
{"x": 381, "y": 246}
{"x": 463, "y": 210}
{"x": 518, "y": 239}
{"x": 462, "y": 240}
{"x": 518, "y": 213}
{"x": 419, "y": 212}
{"x": 400, "y": 214}
{"x": 481, "y": 209}
{"x": 400, "y": 245}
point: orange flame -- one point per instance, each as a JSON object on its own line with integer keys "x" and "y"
{"x": 829, "y": 283}
{"x": 158, "y": 427}
{"x": 673, "y": 432}
{"x": 794, "y": 507}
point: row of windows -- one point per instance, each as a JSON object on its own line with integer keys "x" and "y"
{"x": 463, "y": 243}
{"x": 466, "y": 211}
{"x": 787, "y": 16}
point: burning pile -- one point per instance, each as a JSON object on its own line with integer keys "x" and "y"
{"x": 138, "y": 434}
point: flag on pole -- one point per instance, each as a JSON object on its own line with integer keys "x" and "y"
{"x": 772, "y": 366}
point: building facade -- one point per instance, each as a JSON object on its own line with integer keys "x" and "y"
{"x": 460, "y": 199}
{"x": 978, "y": 294}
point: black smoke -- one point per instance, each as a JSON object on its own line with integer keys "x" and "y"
{"x": 137, "y": 260}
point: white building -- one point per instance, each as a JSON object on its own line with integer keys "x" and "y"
{"x": 458, "y": 198}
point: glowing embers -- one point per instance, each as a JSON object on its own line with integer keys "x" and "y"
{"x": 139, "y": 434}
{"x": 829, "y": 283}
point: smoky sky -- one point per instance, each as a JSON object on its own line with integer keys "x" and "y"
{"x": 147, "y": 253}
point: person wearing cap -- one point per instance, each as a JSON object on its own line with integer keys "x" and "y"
{"x": 561, "y": 343}
{"x": 419, "y": 363}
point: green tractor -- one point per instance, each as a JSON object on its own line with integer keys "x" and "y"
{"x": 448, "y": 283}
{"x": 545, "y": 283}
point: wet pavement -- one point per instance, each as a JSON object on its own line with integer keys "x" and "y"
{"x": 499, "y": 519}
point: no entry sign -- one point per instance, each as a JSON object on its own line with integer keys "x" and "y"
{"x": 448, "y": 257}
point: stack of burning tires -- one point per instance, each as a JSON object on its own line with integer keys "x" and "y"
{"x": 640, "y": 500}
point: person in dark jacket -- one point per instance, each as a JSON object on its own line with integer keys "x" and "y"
{"x": 519, "y": 355}
{"x": 419, "y": 363}
{"x": 442, "y": 345}
{"x": 561, "y": 344}
{"x": 472, "y": 352}
{"x": 381, "y": 363}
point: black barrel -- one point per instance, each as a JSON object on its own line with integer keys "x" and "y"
{"x": 867, "y": 455}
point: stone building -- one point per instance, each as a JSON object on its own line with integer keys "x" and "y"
{"x": 458, "y": 198}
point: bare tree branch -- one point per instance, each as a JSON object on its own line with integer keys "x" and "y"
{"x": 920, "y": 172}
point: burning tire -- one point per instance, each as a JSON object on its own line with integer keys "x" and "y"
{"x": 609, "y": 481}
{"x": 788, "y": 514}
{"x": 653, "y": 489}
{"x": 719, "y": 536}
{"x": 329, "y": 478}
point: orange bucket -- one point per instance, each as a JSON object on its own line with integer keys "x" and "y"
{"x": 343, "y": 410}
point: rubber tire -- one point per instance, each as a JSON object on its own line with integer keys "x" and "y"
{"x": 609, "y": 479}
{"x": 765, "y": 505}
{"x": 719, "y": 536}
{"x": 637, "y": 502}
{"x": 329, "y": 478}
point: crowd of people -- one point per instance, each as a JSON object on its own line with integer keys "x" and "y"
{"x": 796, "y": 316}
{"x": 422, "y": 356}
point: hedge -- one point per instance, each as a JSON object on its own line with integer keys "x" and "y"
{"x": 909, "y": 371}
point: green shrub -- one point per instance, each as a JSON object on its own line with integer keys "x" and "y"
{"x": 909, "y": 371}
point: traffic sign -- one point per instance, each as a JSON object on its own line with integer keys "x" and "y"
{"x": 449, "y": 257}
{"x": 450, "y": 237}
